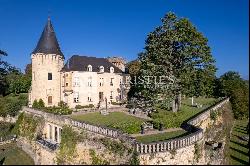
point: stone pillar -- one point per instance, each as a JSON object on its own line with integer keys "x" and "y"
{"x": 58, "y": 134}
{"x": 48, "y": 132}
{"x": 53, "y": 132}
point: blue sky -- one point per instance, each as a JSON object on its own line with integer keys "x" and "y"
{"x": 104, "y": 28}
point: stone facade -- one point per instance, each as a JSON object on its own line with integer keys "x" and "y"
{"x": 52, "y": 81}
{"x": 49, "y": 90}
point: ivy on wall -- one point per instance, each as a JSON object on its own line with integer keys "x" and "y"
{"x": 67, "y": 149}
{"x": 27, "y": 126}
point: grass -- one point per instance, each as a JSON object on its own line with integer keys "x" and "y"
{"x": 12, "y": 155}
{"x": 161, "y": 136}
{"x": 239, "y": 150}
{"x": 174, "y": 120}
{"x": 118, "y": 120}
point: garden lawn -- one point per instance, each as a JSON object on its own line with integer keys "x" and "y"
{"x": 239, "y": 150}
{"x": 118, "y": 120}
{"x": 161, "y": 136}
{"x": 12, "y": 155}
{"x": 170, "y": 119}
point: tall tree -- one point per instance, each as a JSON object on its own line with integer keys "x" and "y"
{"x": 178, "y": 50}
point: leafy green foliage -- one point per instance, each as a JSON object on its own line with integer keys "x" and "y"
{"x": 97, "y": 160}
{"x": 68, "y": 143}
{"x": 134, "y": 159}
{"x": 5, "y": 129}
{"x": 38, "y": 104}
{"x": 178, "y": 50}
{"x": 11, "y": 104}
{"x": 84, "y": 106}
{"x": 62, "y": 109}
{"x": 26, "y": 126}
{"x": 232, "y": 85}
{"x": 58, "y": 110}
{"x": 114, "y": 146}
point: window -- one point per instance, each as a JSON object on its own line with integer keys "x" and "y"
{"x": 89, "y": 97}
{"x": 111, "y": 70}
{"x": 67, "y": 84}
{"x": 76, "y": 97}
{"x": 111, "y": 95}
{"x": 101, "y": 81}
{"x": 90, "y": 81}
{"x": 89, "y": 68}
{"x": 49, "y": 100}
{"x": 76, "y": 81}
{"x": 49, "y": 76}
{"x": 111, "y": 81}
{"x": 101, "y": 69}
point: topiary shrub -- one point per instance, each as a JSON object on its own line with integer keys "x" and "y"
{"x": 35, "y": 104}
{"x": 41, "y": 104}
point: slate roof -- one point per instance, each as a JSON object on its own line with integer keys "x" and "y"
{"x": 48, "y": 43}
{"x": 80, "y": 63}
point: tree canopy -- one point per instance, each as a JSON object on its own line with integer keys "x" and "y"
{"x": 176, "y": 49}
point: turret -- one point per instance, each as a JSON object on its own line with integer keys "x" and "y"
{"x": 47, "y": 62}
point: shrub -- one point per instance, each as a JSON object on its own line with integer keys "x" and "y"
{"x": 58, "y": 110}
{"x": 84, "y": 106}
{"x": 62, "y": 104}
{"x": 41, "y": 103}
{"x": 35, "y": 104}
{"x": 67, "y": 147}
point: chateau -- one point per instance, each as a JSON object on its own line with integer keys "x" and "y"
{"x": 81, "y": 80}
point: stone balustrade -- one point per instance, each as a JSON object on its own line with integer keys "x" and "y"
{"x": 177, "y": 143}
{"x": 161, "y": 146}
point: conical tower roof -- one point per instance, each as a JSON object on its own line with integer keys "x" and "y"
{"x": 48, "y": 43}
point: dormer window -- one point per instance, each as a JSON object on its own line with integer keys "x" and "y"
{"x": 89, "y": 68}
{"x": 111, "y": 70}
{"x": 101, "y": 69}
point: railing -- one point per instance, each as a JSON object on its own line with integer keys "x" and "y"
{"x": 172, "y": 144}
{"x": 181, "y": 142}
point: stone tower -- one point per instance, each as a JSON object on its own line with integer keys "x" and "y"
{"x": 47, "y": 62}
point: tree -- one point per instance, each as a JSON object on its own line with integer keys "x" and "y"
{"x": 232, "y": 85}
{"x": 134, "y": 67}
{"x": 176, "y": 49}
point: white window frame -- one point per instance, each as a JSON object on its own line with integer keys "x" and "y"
{"x": 101, "y": 69}
{"x": 111, "y": 70}
{"x": 90, "y": 81}
{"x": 89, "y": 68}
{"x": 76, "y": 97}
{"x": 76, "y": 81}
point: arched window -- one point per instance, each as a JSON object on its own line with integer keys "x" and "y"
{"x": 111, "y": 70}
{"x": 89, "y": 68}
{"x": 101, "y": 69}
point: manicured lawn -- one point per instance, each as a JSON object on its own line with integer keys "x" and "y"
{"x": 118, "y": 120}
{"x": 161, "y": 136}
{"x": 12, "y": 155}
{"x": 174, "y": 120}
{"x": 239, "y": 151}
